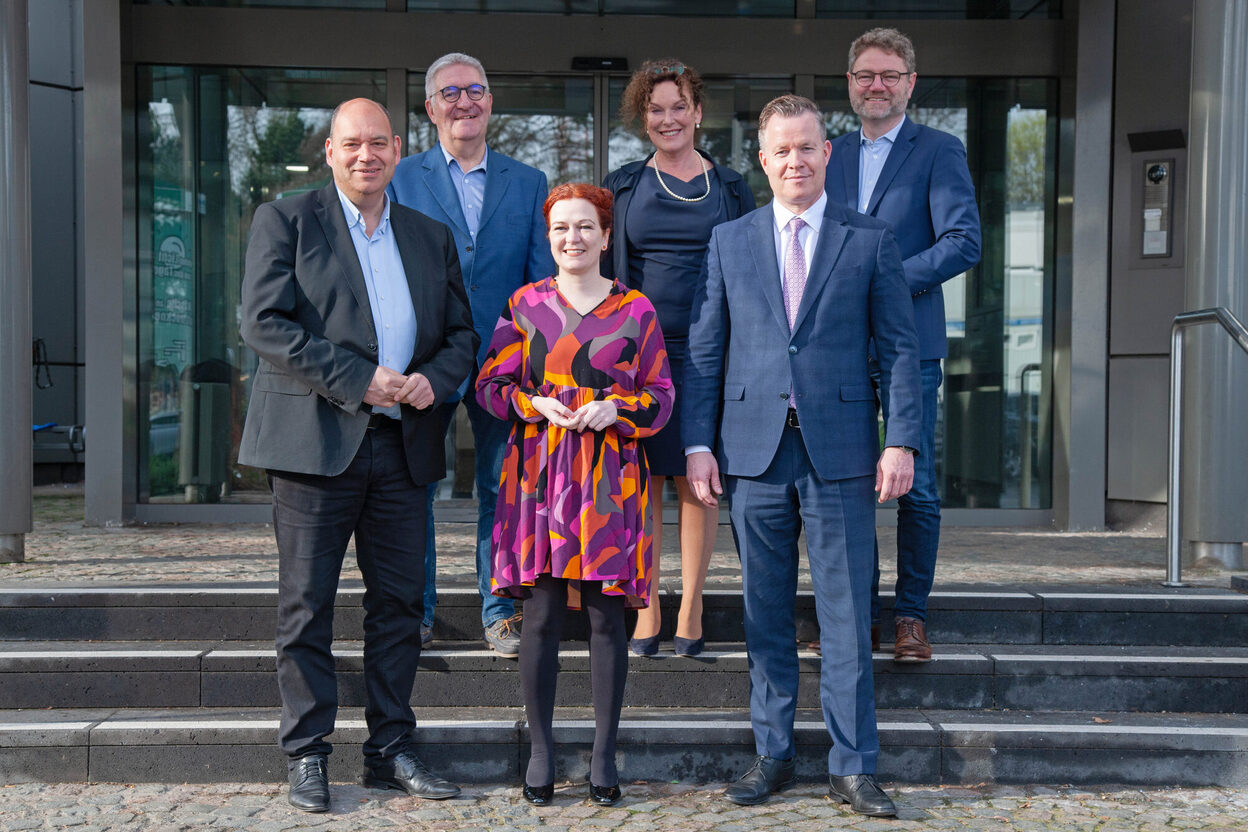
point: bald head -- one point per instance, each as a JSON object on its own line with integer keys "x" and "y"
{"x": 362, "y": 150}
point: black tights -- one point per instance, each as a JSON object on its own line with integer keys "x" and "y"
{"x": 539, "y": 667}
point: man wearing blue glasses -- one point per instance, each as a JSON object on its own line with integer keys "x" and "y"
{"x": 916, "y": 180}
{"x": 493, "y": 205}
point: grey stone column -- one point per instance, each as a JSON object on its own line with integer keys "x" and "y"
{"x": 16, "y": 472}
{"x": 1215, "y": 437}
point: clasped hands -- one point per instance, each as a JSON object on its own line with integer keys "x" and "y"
{"x": 390, "y": 387}
{"x": 595, "y": 415}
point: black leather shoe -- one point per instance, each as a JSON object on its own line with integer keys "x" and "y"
{"x": 766, "y": 775}
{"x": 309, "y": 783}
{"x": 406, "y": 773}
{"x": 605, "y": 795}
{"x": 863, "y": 794}
{"x": 539, "y": 795}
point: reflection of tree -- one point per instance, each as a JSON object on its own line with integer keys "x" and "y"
{"x": 263, "y": 141}
{"x": 1025, "y": 148}
{"x": 559, "y": 145}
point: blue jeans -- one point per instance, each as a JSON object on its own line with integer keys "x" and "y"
{"x": 918, "y": 511}
{"x": 489, "y": 437}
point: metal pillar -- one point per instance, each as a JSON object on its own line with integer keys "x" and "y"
{"x": 1215, "y": 439}
{"x": 16, "y": 471}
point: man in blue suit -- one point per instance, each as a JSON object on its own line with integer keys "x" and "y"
{"x": 493, "y": 205}
{"x": 915, "y": 179}
{"x": 778, "y": 397}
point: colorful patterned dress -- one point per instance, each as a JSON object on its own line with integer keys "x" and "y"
{"x": 571, "y": 504}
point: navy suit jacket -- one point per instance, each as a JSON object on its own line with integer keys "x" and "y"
{"x": 742, "y": 357}
{"x": 925, "y": 195}
{"x": 305, "y": 311}
{"x": 511, "y": 247}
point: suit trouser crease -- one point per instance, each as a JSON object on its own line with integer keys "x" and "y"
{"x": 768, "y": 513}
{"x": 489, "y": 438}
{"x": 918, "y": 511}
{"x": 314, "y": 518}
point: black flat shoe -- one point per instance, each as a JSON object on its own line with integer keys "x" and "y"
{"x": 539, "y": 795}
{"x": 689, "y": 647}
{"x": 644, "y": 646}
{"x": 605, "y": 795}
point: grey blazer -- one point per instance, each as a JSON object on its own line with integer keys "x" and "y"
{"x": 305, "y": 312}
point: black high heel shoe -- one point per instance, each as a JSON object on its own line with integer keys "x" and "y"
{"x": 687, "y": 646}
{"x": 644, "y": 646}
{"x": 539, "y": 795}
{"x": 605, "y": 795}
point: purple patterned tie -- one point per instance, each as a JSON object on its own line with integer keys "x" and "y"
{"x": 794, "y": 270}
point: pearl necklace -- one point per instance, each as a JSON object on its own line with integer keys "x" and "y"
{"x": 705, "y": 175}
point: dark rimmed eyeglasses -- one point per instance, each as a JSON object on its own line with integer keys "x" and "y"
{"x": 668, "y": 69}
{"x": 451, "y": 94}
{"x": 888, "y": 79}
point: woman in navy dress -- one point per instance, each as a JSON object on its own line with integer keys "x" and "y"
{"x": 665, "y": 208}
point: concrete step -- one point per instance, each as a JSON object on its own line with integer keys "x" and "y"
{"x": 706, "y": 747}
{"x": 960, "y": 677}
{"x": 957, "y": 615}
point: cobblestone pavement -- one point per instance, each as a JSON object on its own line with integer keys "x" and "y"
{"x": 646, "y": 808}
{"x": 61, "y": 549}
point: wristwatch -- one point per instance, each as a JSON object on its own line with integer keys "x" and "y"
{"x": 906, "y": 449}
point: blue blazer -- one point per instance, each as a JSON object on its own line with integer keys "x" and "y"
{"x": 925, "y": 195}
{"x": 743, "y": 359}
{"x": 511, "y": 247}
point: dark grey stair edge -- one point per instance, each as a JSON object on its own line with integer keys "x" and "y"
{"x": 1095, "y": 598}
{"x": 916, "y": 747}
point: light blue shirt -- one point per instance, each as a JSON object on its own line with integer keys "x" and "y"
{"x": 394, "y": 316}
{"x": 809, "y": 236}
{"x": 871, "y": 158}
{"x": 470, "y": 187}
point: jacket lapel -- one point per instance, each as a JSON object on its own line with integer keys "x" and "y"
{"x": 850, "y": 151}
{"x": 334, "y": 224}
{"x": 896, "y": 158}
{"x": 497, "y": 178}
{"x": 438, "y": 181}
{"x": 762, "y": 248}
{"x": 414, "y": 260}
{"x": 832, "y": 235}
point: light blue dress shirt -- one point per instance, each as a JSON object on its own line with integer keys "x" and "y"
{"x": 809, "y": 236}
{"x": 394, "y": 316}
{"x": 871, "y": 158}
{"x": 470, "y": 187}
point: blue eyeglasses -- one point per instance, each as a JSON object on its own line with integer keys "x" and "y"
{"x": 451, "y": 94}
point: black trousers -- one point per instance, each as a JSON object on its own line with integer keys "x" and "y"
{"x": 314, "y": 518}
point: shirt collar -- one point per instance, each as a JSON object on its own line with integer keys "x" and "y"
{"x": 354, "y": 217}
{"x": 446, "y": 154}
{"x": 890, "y": 136}
{"x": 812, "y": 216}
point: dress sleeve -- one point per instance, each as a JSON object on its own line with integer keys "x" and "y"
{"x": 643, "y": 412}
{"x": 499, "y": 383}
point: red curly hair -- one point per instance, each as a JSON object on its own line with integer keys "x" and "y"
{"x": 600, "y": 198}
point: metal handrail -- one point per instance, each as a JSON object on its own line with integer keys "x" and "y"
{"x": 1220, "y": 315}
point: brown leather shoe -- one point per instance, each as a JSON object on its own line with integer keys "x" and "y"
{"x": 911, "y": 644}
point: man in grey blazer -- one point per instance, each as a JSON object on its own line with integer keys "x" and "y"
{"x": 778, "y": 398}
{"x": 493, "y": 205}
{"x": 356, "y": 310}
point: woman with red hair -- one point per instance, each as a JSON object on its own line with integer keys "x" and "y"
{"x": 577, "y": 364}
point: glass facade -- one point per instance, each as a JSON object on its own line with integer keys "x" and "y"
{"x": 213, "y": 144}
{"x": 994, "y": 447}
